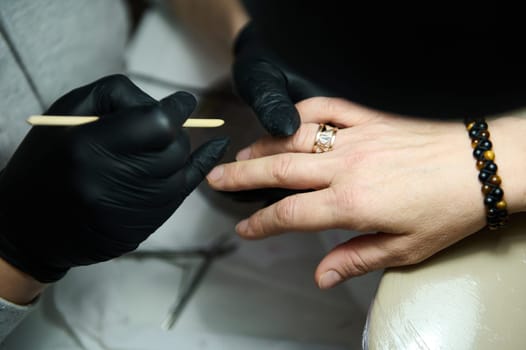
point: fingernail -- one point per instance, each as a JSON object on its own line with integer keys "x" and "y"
{"x": 242, "y": 227}
{"x": 216, "y": 173}
{"x": 244, "y": 154}
{"x": 329, "y": 279}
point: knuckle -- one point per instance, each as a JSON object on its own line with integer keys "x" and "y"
{"x": 117, "y": 81}
{"x": 286, "y": 210}
{"x": 235, "y": 175}
{"x": 355, "y": 264}
{"x": 301, "y": 140}
{"x": 158, "y": 118}
{"x": 332, "y": 105}
{"x": 113, "y": 87}
{"x": 180, "y": 104}
{"x": 353, "y": 205}
{"x": 256, "y": 223}
{"x": 401, "y": 255}
{"x": 281, "y": 168}
{"x": 346, "y": 198}
{"x": 329, "y": 104}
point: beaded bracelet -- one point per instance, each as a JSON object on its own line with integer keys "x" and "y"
{"x": 496, "y": 212}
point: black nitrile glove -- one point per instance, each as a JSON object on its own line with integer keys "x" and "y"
{"x": 267, "y": 85}
{"x": 84, "y": 194}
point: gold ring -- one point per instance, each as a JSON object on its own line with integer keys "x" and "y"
{"x": 324, "y": 138}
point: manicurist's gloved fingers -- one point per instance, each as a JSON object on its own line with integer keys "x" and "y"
{"x": 103, "y": 96}
{"x": 198, "y": 165}
{"x": 145, "y": 128}
{"x": 163, "y": 164}
{"x": 178, "y": 107}
{"x": 158, "y": 165}
{"x": 264, "y": 88}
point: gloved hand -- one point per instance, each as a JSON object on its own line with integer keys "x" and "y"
{"x": 80, "y": 195}
{"x": 267, "y": 85}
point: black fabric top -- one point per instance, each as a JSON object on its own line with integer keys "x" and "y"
{"x": 432, "y": 62}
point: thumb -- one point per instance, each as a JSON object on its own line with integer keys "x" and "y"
{"x": 178, "y": 107}
{"x": 361, "y": 255}
{"x": 264, "y": 87}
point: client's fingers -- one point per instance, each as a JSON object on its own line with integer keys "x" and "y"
{"x": 288, "y": 170}
{"x": 364, "y": 254}
{"x": 300, "y": 142}
{"x": 312, "y": 211}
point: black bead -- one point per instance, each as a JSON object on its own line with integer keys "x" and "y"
{"x": 485, "y": 145}
{"x": 484, "y": 175}
{"x": 489, "y": 201}
{"x": 481, "y": 125}
{"x": 492, "y": 212}
{"x": 479, "y": 134}
{"x": 493, "y": 220}
{"x": 473, "y": 133}
{"x": 478, "y": 153}
{"x": 497, "y": 193}
{"x": 490, "y": 166}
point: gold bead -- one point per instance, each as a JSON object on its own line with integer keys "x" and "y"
{"x": 470, "y": 126}
{"x": 484, "y": 134}
{"x": 501, "y": 205}
{"x": 474, "y": 143}
{"x": 480, "y": 164}
{"x": 486, "y": 189}
{"x": 489, "y": 155}
{"x": 495, "y": 180}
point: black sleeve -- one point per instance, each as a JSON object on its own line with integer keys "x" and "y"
{"x": 435, "y": 63}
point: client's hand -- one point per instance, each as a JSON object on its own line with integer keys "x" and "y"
{"x": 84, "y": 194}
{"x": 267, "y": 85}
{"x": 413, "y": 182}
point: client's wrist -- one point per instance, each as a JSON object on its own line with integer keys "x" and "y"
{"x": 17, "y": 286}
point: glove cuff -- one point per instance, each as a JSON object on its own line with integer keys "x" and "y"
{"x": 26, "y": 262}
{"x": 245, "y": 36}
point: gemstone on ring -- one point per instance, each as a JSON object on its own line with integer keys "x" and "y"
{"x": 324, "y": 138}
